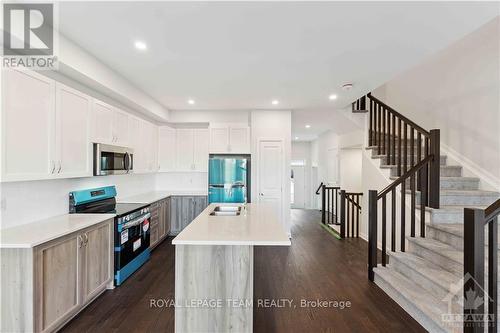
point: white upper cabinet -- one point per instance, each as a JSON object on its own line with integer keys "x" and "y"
{"x": 239, "y": 139}
{"x": 155, "y": 166}
{"x": 166, "y": 148}
{"x": 73, "y": 147}
{"x": 110, "y": 125}
{"x": 200, "y": 149}
{"x": 136, "y": 143}
{"x": 28, "y": 119}
{"x": 229, "y": 138}
{"x": 103, "y": 117}
{"x": 192, "y": 149}
{"x": 184, "y": 149}
{"x": 120, "y": 129}
{"x": 219, "y": 138}
{"x": 46, "y": 135}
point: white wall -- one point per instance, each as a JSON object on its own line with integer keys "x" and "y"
{"x": 184, "y": 181}
{"x": 25, "y": 202}
{"x": 323, "y": 151}
{"x": 273, "y": 125}
{"x": 458, "y": 91}
{"x": 302, "y": 151}
{"x": 351, "y": 169}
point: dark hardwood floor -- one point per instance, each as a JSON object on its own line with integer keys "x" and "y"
{"x": 316, "y": 266}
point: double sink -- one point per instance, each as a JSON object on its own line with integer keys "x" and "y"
{"x": 226, "y": 211}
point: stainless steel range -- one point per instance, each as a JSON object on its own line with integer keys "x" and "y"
{"x": 132, "y": 227}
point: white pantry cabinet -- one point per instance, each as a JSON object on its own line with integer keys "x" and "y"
{"x": 46, "y": 135}
{"x": 110, "y": 125}
{"x": 192, "y": 149}
{"x": 229, "y": 138}
{"x": 166, "y": 148}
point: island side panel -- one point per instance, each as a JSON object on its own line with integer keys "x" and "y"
{"x": 216, "y": 273}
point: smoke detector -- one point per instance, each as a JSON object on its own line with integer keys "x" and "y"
{"x": 347, "y": 86}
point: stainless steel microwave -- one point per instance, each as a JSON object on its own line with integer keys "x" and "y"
{"x": 112, "y": 160}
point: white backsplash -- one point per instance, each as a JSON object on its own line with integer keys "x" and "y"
{"x": 25, "y": 202}
{"x": 197, "y": 181}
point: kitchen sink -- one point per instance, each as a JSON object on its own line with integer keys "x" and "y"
{"x": 226, "y": 211}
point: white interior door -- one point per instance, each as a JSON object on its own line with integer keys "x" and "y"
{"x": 299, "y": 187}
{"x": 271, "y": 174}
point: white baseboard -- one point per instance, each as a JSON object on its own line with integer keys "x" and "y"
{"x": 488, "y": 181}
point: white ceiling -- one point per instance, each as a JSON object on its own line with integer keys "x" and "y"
{"x": 242, "y": 55}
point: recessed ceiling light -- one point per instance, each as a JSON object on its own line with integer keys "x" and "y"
{"x": 275, "y": 102}
{"x": 296, "y": 138}
{"x": 140, "y": 45}
{"x": 191, "y": 101}
{"x": 332, "y": 97}
{"x": 308, "y": 126}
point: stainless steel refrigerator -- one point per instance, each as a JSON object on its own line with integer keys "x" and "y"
{"x": 229, "y": 178}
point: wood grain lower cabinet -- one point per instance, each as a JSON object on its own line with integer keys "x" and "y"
{"x": 57, "y": 276}
{"x": 183, "y": 210}
{"x": 98, "y": 264}
{"x": 46, "y": 286}
{"x": 160, "y": 221}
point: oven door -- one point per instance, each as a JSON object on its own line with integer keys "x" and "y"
{"x": 112, "y": 160}
{"x": 131, "y": 239}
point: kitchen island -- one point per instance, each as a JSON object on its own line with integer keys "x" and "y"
{"x": 214, "y": 267}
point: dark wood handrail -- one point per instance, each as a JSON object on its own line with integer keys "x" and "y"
{"x": 405, "y": 176}
{"x": 353, "y": 202}
{"x": 399, "y": 115}
{"x": 413, "y": 154}
{"x": 492, "y": 211}
{"x": 319, "y": 188}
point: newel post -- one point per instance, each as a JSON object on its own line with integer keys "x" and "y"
{"x": 473, "y": 266}
{"x": 323, "y": 204}
{"x": 435, "y": 168}
{"x": 342, "y": 213}
{"x": 372, "y": 233}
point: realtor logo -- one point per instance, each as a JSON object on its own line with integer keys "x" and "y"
{"x": 460, "y": 308}
{"x": 29, "y": 35}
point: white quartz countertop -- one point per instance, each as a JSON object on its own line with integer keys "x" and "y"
{"x": 257, "y": 225}
{"x": 39, "y": 232}
{"x": 153, "y": 196}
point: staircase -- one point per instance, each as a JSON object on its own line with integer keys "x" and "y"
{"x": 425, "y": 276}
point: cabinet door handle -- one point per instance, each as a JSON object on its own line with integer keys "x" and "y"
{"x": 80, "y": 241}
{"x": 53, "y": 166}
{"x": 60, "y": 167}
{"x": 86, "y": 239}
